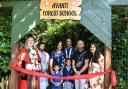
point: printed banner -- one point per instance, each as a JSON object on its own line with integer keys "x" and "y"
{"x": 60, "y": 9}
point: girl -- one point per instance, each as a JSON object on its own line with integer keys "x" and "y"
{"x": 68, "y": 71}
{"x": 56, "y": 83}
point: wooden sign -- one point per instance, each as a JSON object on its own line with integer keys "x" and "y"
{"x": 60, "y": 9}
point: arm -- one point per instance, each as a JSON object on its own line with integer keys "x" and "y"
{"x": 60, "y": 82}
{"x": 101, "y": 62}
{"x": 73, "y": 66}
{"x": 48, "y": 61}
{"x": 53, "y": 82}
{"x": 21, "y": 56}
{"x": 51, "y": 59}
{"x": 51, "y": 64}
{"x": 85, "y": 66}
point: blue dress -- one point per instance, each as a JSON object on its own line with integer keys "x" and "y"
{"x": 58, "y": 58}
{"x": 56, "y": 81}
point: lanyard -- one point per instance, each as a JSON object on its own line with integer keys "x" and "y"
{"x": 70, "y": 51}
{"x": 81, "y": 54}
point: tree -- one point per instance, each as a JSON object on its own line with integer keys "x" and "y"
{"x": 5, "y": 40}
{"x": 120, "y": 45}
{"x": 52, "y": 31}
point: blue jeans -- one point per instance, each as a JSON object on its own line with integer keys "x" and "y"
{"x": 43, "y": 83}
{"x": 81, "y": 84}
{"x": 68, "y": 85}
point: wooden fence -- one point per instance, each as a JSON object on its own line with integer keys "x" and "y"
{"x": 4, "y": 83}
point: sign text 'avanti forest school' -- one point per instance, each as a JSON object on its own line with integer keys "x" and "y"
{"x": 60, "y": 10}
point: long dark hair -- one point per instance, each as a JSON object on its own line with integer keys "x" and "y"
{"x": 96, "y": 55}
{"x": 60, "y": 42}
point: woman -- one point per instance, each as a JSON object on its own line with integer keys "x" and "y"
{"x": 45, "y": 65}
{"x": 57, "y": 56}
{"x": 28, "y": 58}
{"x": 96, "y": 65}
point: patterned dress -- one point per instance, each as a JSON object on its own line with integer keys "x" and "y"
{"x": 97, "y": 82}
{"x": 58, "y": 58}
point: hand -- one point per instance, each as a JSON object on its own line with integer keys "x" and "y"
{"x": 63, "y": 84}
{"x": 22, "y": 56}
{"x": 77, "y": 72}
{"x": 56, "y": 84}
{"x": 100, "y": 82}
{"x": 20, "y": 62}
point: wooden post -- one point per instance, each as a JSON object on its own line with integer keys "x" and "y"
{"x": 108, "y": 67}
{"x": 14, "y": 74}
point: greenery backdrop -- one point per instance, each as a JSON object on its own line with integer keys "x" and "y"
{"x": 51, "y": 31}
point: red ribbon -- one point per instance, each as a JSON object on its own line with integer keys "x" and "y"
{"x": 113, "y": 78}
{"x": 84, "y": 76}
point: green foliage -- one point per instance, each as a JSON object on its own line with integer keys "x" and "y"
{"x": 52, "y": 31}
{"x": 120, "y": 46}
{"x": 5, "y": 41}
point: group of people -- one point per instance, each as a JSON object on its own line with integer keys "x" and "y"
{"x": 67, "y": 61}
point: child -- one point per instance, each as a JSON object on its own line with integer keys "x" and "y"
{"x": 68, "y": 71}
{"x": 56, "y": 83}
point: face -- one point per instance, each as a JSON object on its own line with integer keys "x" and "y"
{"x": 80, "y": 45}
{"x": 30, "y": 42}
{"x": 42, "y": 47}
{"x": 68, "y": 42}
{"x": 92, "y": 48}
{"x": 56, "y": 68}
{"x": 68, "y": 62}
{"x": 59, "y": 46}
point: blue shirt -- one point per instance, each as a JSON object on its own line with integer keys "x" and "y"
{"x": 69, "y": 52}
{"x": 56, "y": 81}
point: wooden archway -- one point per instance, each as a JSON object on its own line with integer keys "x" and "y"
{"x": 96, "y": 17}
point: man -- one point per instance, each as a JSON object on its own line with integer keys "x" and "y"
{"x": 80, "y": 65}
{"x": 69, "y": 50}
{"x": 44, "y": 63}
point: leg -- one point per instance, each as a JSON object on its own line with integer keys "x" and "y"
{"x": 83, "y": 84}
{"x": 70, "y": 85}
{"x": 77, "y": 84}
{"x": 43, "y": 83}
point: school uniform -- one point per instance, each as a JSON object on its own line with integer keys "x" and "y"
{"x": 68, "y": 71}
{"x": 56, "y": 81}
